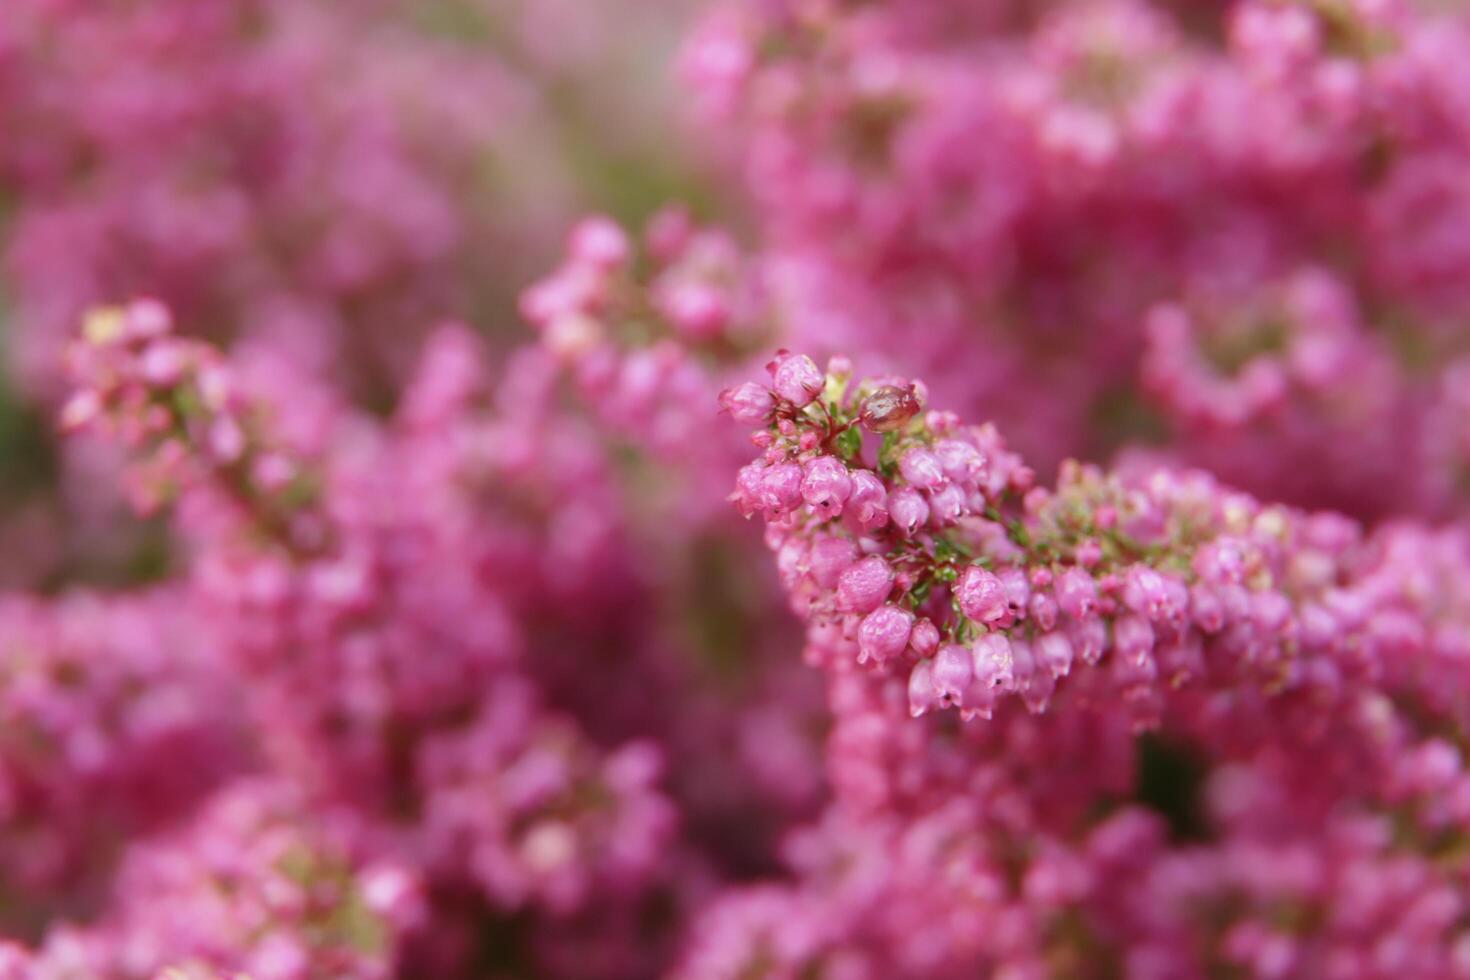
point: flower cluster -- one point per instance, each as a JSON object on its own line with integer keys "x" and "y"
{"x": 1306, "y": 671}
{"x": 255, "y": 882}
{"x": 113, "y": 722}
{"x": 376, "y": 590}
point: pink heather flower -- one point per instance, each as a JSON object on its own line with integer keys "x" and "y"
{"x": 780, "y": 488}
{"x": 1089, "y": 639}
{"x": 922, "y": 692}
{"x": 443, "y": 629}
{"x": 924, "y": 638}
{"x": 884, "y": 634}
{"x": 868, "y": 502}
{"x": 863, "y": 587}
{"x": 981, "y": 595}
{"x": 1042, "y": 610}
{"x": 908, "y": 510}
{"x": 599, "y": 242}
{"x": 961, "y": 461}
{"x": 947, "y": 505}
{"x": 796, "y": 378}
{"x": 953, "y": 671}
{"x": 921, "y": 469}
{"x": 993, "y": 661}
{"x": 826, "y": 485}
{"x": 748, "y": 403}
{"x": 1144, "y": 592}
{"x": 829, "y": 558}
{"x": 1054, "y": 653}
{"x": 1133, "y": 636}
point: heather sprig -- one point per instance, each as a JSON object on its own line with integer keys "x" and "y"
{"x": 176, "y": 404}
{"x": 925, "y": 547}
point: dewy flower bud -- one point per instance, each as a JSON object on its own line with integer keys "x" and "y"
{"x": 925, "y": 637}
{"x": 1143, "y": 591}
{"x": 947, "y": 505}
{"x": 864, "y": 586}
{"x": 888, "y": 409}
{"x": 952, "y": 673}
{"x": 1076, "y": 593}
{"x": 796, "y": 378}
{"x": 1054, "y": 653}
{"x": 749, "y": 403}
{"x": 826, "y": 486}
{"x": 829, "y": 558}
{"x": 922, "y": 694}
{"x": 781, "y": 488}
{"x": 993, "y": 661}
{"x": 960, "y": 460}
{"x": 884, "y": 634}
{"x": 908, "y": 509}
{"x": 921, "y": 469}
{"x": 868, "y": 502}
{"x": 981, "y": 595}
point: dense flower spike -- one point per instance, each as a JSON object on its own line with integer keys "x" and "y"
{"x": 1259, "y": 640}
{"x": 1165, "y": 579}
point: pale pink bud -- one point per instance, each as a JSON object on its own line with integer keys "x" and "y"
{"x": 1054, "y": 653}
{"x": 908, "y": 509}
{"x": 947, "y": 505}
{"x": 826, "y": 486}
{"x": 921, "y": 469}
{"x": 1143, "y": 592}
{"x": 829, "y": 558}
{"x": 925, "y": 638}
{"x": 994, "y": 662}
{"x": 868, "y": 502}
{"x": 863, "y": 587}
{"x": 748, "y": 403}
{"x": 796, "y": 378}
{"x": 952, "y": 672}
{"x": 1089, "y": 639}
{"x": 981, "y": 595}
{"x": 1076, "y": 593}
{"x": 884, "y": 634}
{"x": 781, "y": 488}
{"x": 599, "y": 241}
{"x": 1132, "y": 635}
{"x": 922, "y": 694}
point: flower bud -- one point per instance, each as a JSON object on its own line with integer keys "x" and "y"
{"x": 796, "y": 378}
{"x": 826, "y": 486}
{"x": 921, "y": 469}
{"x": 952, "y": 672}
{"x": 781, "y": 488}
{"x": 884, "y": 634}
{"x": 864, "y": 586}
{"x": 868, "y": 502}
{"x": 748, "y": 403}
{"x": 888, "y": 409}
{"x": 909, "y": 510}
{"x": 922, "y": 695}
{"x": 981, "y": 595}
